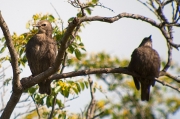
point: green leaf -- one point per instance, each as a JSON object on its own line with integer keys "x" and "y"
{"x": 51, "y": 18}
{"x": 57, "y": 89}
{"x": 86, "y": 84}
{"x": 2, "y": 49}
{"x": 78, "y": 38}
{"x": 71, "y": 49}
{"x": 79, "y": 14}
{"x": 21, "y": 52}
{"x": 66, "y": 92}
{"x": 41, "y": 101}
{"x": 32, "y": 90}
{"x": 95, "y": 1}
{"x": 94, "y": 90}
{"x": 81, "y": 44}
{"x": 88, "y": 10}
{"x": 78, "y": 87}
{"x": 36, "y": 97}
{"x": 62, "y": 116}
{"x": 2, "y": 39}
{"x": 59, "y": 103}
{"x": 78, "y": 54}
{"x": 70, "y": 82}
{"x": 83, "y": 49}
{"x": 49, "y": 101}
{"x": 71, "y": 19}
{"x": 75, "y": 90}
{"x": 82, "y": 85}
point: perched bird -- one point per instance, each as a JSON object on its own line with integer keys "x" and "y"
{"x": 145, "y": 62}
{"x": 41, "y": 51}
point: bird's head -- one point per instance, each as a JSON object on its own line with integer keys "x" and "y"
{"x": 147, "y": 41}
{"x": 44, "y": 26}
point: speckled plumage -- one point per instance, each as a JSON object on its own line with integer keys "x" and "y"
{"x": 145, "y": 62}
{"x": 41, "y": 51}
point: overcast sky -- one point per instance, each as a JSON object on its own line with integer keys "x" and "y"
{"x": 119, "y": 38}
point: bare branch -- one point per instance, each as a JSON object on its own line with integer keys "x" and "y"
{"x": 147, "y": 6}
{"x": 82, "y": 8}
{"x": 91, "y": 107}
{"x": 97, "y": 115}
{"x": 37, "y": 107}
{"x": 120, "y": 70}
{"x": 176, "y": 78}
{"x": 76, "y": 4}
{"x": 58, "y": 16}
{"x": 119, "y": 16}
{"x": 17, "y": 89}
{"x": 168, "y": 85}
{"x": 13, "y": 53}
{"x": 168, "y": 1}
{"x": 55, "y": 97}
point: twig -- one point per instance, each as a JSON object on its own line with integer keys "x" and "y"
{"x": 146, "y": 6}
{"x": 97, "y": 115}
{"x": 91, "y": 107}
{"x": 25, "y": 100}
{"x": 55, "y": 97}
{"x": 162, "y": 73}
{"x": 82, "y": 8}
{"x": 58, "y": 16}
{"x": 76, "y": 5}
{"x": 167, "y": 84}
{"x": 168, "y": 1}
{"x": 72, "y": 98}
{"x": 37, "y": 108}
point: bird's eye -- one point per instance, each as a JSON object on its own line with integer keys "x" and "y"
{"x": 43, "y": 25}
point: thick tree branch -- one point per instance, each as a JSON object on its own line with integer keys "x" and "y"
{"x": 123, "y": 70}
{"x": 119, "y": 16}
{"x": 13, "y": 53}
{"x": 120, "y": 70}
{"x": 17, "y": 89}
{"x": 14, "y": 99}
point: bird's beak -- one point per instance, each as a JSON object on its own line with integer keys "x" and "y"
{"x": 36, "y": 25}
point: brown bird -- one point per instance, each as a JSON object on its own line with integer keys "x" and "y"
{"x": 41, "y": 51}
{"x": 145, "y": 62}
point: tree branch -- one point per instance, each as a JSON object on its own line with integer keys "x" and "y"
{"x": 91, "y": 107}
{"x": 17, "y": 88}
{"x": 120, "y": 70}
{"x": 13, "y": 53}
{"x": 168, "y": 85}
{"x": 55, "y": 96}
{"x": 37, "y": 107}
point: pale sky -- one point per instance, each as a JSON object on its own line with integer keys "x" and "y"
{"x": 119, "y": 38}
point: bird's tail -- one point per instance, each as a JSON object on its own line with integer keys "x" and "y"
{"x": 45, "y": 87}
{"x": 136, "y": 82}
{"x": 145, "y": 90}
